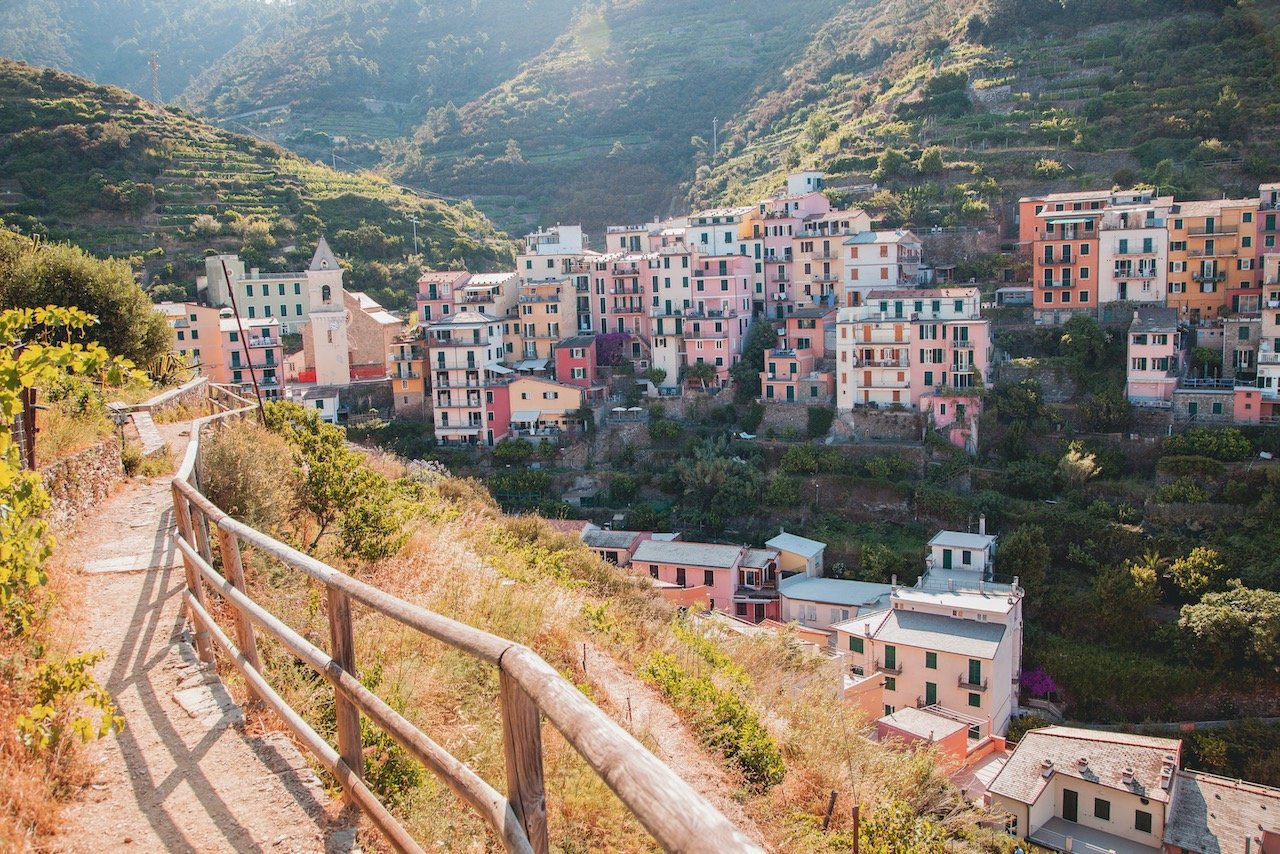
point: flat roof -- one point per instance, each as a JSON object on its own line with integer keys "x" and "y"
{"x": 759, "y": 558}
{"x": 1154, "y": 318}
{"x": 691, "y": 554}
{"x": 922, "y": 723}
{"x": 796, "y": 544}
{"x": 577, "y": 341}
{"x": 837, "y": 591}
{"x": 962, "y": 540}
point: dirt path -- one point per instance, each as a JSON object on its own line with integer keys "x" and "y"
{"x": 182, "y": 776}
{"x": 640, "y": 709}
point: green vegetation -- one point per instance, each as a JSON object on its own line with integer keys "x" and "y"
{"x": 98, "y": 167}
{"x": 48, "y": 702}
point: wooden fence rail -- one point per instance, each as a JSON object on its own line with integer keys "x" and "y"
{"x": 529, "y": 689}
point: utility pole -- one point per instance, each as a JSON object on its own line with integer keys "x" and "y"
{"x": 413, "y": 218}
{"x": 154, "y": 62}
{"x": 715, "y": 136}
{"x": 244, "y": 342}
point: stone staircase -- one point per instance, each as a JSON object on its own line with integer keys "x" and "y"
{"x": 152, "y": 442}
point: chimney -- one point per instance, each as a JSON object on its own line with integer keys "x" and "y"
{"x": 982, "y": 523}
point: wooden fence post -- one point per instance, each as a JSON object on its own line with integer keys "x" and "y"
{"x": 201, "y": 524}
{"x": 229, "y": 546}
{"x": 522, "y": 745}
{"x": 181, "y": 507}
{"x": 342, "y": 649}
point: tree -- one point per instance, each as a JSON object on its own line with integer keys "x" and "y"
{"x": 123, "y": 320}
{"x": 761, "y": 337}
{"x": 892, "y": 163}
{"x": 879, "y": 563}
{"x": 899, "y": 829}
{"x": 703, "y": 373}
{"x": 1107, "y": 412}
{"x": 819, "y": 421}
{"x": 657, "y": 376}
{"x": 1123, "y": 595}
{"x": 931, "y": 162}
{"x": 1199, "y": 571}
{"x": 1025, "y": 553}
{"x": 1205, "y": 362}
{"x": 1237, "y": 621}
{"x": 1084, "y": 343}
{"x": 1077, "y": 466}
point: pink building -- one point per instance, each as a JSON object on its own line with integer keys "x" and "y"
{"x": 256, "y": 353}
{"x": 436, "y": 294}
{"x": 901, "y": 345}
{"x": 956, "y": 415}
{"x": 737, "y": 580}
{"x": 575, "y": 361}
{"x": 791, "y": 370}
{"x": 1155, "y": 356}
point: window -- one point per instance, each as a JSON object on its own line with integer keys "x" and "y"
{"x": 931, "y": 660}
{"x": 297, "y": 289}
{"x": 975, "y": 700}
{"x": 680, "y": 576}
{"x": 248, "y": 290}
{"x": 975, "y": 674}
{"x": 1102, "y": 809}
{"x": 891, "y": 657}
{"x": 708, "y": 578}
{"x": 1142, "y": 821}
{"x": 890, "y": 683}
{"x": 855, "y": 644}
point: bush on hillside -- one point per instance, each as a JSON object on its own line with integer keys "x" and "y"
{"x": 248, "y": 472}
{"x": 1220, "y": 443}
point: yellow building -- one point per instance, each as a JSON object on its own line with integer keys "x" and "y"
{"x": 1212, "y": 251}
{"x": 542, "y": 408}
{"x": 546, "y": 315}
{"x": 408, "y": 357}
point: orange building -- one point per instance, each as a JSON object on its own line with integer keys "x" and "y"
{"x": 1212, "y": 254}
{"x": 1061, "y": 232}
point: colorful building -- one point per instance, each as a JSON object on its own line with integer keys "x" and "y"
{"x": 795, "y": 370}
{"x": 900, "y": 346}
{"x": 575, "y": 361}
{"x": 409, "y": 376}
{"x": 1155, "y": 352}
{"x": 1212, "y": 256}
{"x": 468, "y": 381}
{"x": 879, "y": 260}
{"x": 543, "y": 408}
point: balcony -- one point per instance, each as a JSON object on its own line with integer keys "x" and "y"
{"x": 1210, "y": 232}
{"x": 894, "y": 669}
{"x": 1058, "y": 283}
{"x": 825, "y": 255}
{"x": 971, "y": 686}
{"x": 881, "y": 363}
{"x": 1208, "y": 277}
{"x": 460, "y": 342}
{"x": 407, "y": 375}
{"x": 539, "y": 298}
{"x": 458, "y": 384}
{"x": 460, "y": 405}
{"x": 412, "y": 357}
{"x": 826, "y": 277}
{"x": 479, "y": 298}
{"x": 962, "y": 343}
{"x": 264, "y": 342}
{"x": 1055, "y": 832}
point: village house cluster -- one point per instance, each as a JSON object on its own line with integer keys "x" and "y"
{"x": 1191, "y": 274}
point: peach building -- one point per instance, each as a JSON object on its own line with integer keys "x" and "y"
{"x": 409, "y": 376}
{"x": 1154, "y": 356}
{"x": 1133, "y": 246}
{"x": 545, "y": 315}
{"x": 878, "y": 260}
{"x": 794, "y": 369}
{"x": 543, "y": 408}
{"x": 197, "y": 337}
{"x": 436, "y": 299}
{"x": 256, "y": 353}
{"x": 901, "y": 345}
{"x": 1064, "y": 229}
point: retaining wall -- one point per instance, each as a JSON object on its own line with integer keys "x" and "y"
{"x": 77, "y": 483}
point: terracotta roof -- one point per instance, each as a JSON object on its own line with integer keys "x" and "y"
{"x": 1107, "y": 756}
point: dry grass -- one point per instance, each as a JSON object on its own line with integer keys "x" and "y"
{"x": 518, "y": 578}
{"x": 63, "y": 433}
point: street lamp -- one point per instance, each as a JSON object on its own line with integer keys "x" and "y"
{"x": 413, "y": 218}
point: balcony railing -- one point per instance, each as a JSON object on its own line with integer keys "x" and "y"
{"x": 407, "y": 375}
{"x": 894, "y": 669}
{"x": 1058, "y": 283}
{"x": 1208, "y": 277}
{"x": 961, "y": 681}
{"x": 264, "y": 342}
{"x": 826, "y": 277}
{"x": 459, "y": 342}
{"x": 1209, "y": 232}
{"x": 962, "y": 343}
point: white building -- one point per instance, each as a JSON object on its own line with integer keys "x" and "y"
{"x": 1133, "y": 245}
{"x": 878, "y": 260}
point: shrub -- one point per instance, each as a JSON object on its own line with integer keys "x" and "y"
{"x": 801, "y": 459}
{"x": 1018, "y": 727}
{"x": 663, "y": 430}
{"x": 1184, "y": 490}
{"x": 247, "y": 471}
{"x": 751, "y": 418}
{"x": 1220, "y": 443}
{"x": 819, "y": 421}
{"x": 513, "y": 451}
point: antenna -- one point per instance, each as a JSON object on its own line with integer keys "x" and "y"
{"x": 154, "y": 62}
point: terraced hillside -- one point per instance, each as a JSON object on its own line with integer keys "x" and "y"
{"x": 1178, "y": 94}
{"x": 606, "y": 124}
{"x": 116, "y": 175}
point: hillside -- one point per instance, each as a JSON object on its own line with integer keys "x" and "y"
{"x": 1034, "y": 97}
{"x": 111, "y": 42}
{"x": 116, "y": 175}
{"x": 607, "y": 123}
{"x": 369, "y": 71}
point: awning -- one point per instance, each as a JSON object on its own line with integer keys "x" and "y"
{"x": 475, "y": 289}
{"x": 531, "y": 365}
{"x": 526, "y": 416}
{"x": 1071, "y": 220}
{"x": 499, "y": 368}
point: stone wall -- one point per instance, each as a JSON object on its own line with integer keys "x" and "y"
{"x": 861, "y": 425}
{"x": 78, "y": 482}
{"x": 190, "y": 395}
{"x": 1055, "y": 383}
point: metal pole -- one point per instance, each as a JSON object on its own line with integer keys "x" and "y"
{"x": 248, "y": 354}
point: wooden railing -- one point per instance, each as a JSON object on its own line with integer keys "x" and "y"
{"x": 529, "y": 689}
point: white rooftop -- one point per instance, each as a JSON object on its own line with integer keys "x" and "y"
{"x": 837, "y": 591}
{"x": 922, "y": 723}
{"x": 802, "y": 546}
{"x": 960, "y": 539}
